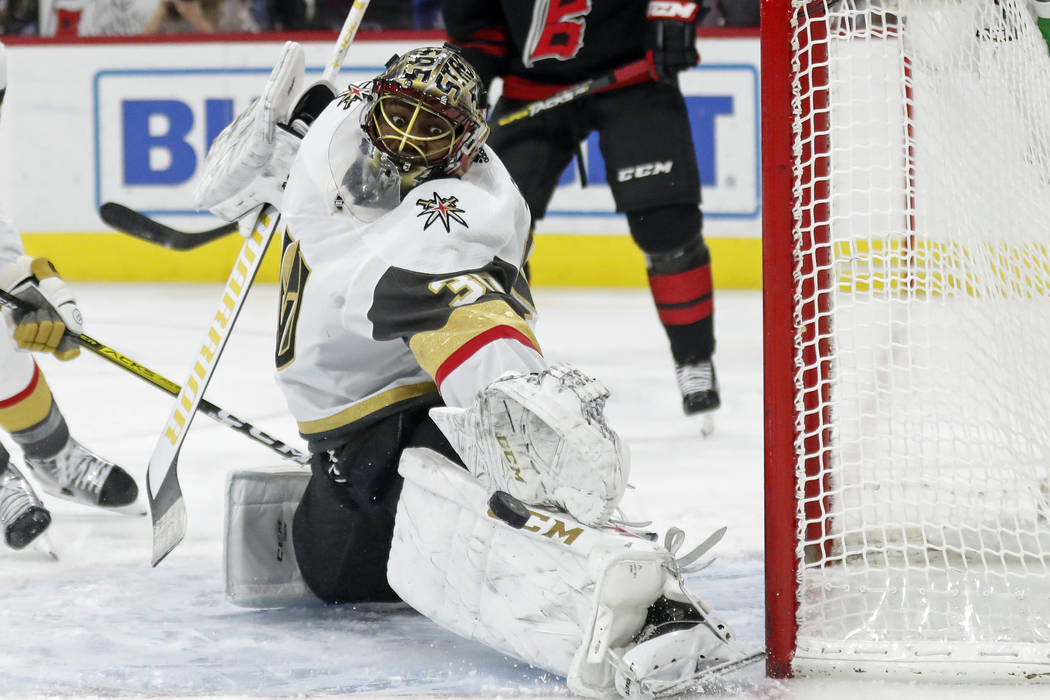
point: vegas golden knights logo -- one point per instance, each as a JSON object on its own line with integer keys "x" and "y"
{"x": 294, "y": 272}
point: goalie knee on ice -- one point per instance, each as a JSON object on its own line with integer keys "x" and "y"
{"x": 603, "y": 607}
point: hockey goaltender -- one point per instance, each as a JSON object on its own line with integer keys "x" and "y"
{"x": 452, "y": 467}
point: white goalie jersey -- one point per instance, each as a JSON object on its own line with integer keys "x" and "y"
{"x": 384, "y": 308}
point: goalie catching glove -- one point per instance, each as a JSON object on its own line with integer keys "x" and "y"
{"x": 542, "y": 438}
{"x": 249, "y": 160}
{"x": 36, "y": 281}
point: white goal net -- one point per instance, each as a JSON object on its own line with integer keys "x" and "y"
{"x": 921, "y": 301}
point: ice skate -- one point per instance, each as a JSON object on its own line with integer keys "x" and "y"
{"x": 79, "y": 475}
{"x": 682, "y": 646}
{"x": 22, "y": 515}
{"x": 699, "y": 386}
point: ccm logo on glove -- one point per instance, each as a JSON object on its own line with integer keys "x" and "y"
{"x": 670, "y": 9}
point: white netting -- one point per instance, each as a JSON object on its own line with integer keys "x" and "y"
{"x": 922, "y": 193}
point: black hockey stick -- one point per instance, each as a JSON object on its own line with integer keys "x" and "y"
{"x": 145, "y": 373}
{"x": 640, "y": 71}
{"x": 131, "y": 222}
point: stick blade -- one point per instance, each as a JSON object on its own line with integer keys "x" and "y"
{"x": 169, "y": 528}
{"x": 166, "y": 506}
{"x": 131, "y": 222}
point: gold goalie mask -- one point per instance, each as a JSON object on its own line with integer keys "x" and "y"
{"x": 427, "y": 115}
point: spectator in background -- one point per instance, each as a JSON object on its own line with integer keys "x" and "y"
{"x": 426, "y": 14}
{"x": 65, "y": 18}
{"x": 20, "y": 17}
{"x": 734, "y": 13}
{"x": 280, "y": 15}
{"x": 179, "y": 17}
{"x": 200, "y": 17}
{"x": 382, "y": 14}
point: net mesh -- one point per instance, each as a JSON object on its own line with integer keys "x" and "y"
{"x": 922, "y": 185}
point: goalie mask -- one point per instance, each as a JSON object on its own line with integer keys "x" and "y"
{"x": 426, "y": 115}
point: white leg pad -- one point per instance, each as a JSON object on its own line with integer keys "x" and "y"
{"x": 260, "y": 566}
{"x": 556, "y": 594}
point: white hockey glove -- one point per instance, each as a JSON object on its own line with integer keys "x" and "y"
{"x": 543, "y": 438}
{"x": 36, "y": 280}
{"x": 249, "y": 160}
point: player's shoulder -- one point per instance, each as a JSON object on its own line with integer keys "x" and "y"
{"x": 456, "y": 223}
{"x": 343, "y": 111}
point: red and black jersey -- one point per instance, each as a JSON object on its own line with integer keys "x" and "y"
{"x": 550, "y": 42}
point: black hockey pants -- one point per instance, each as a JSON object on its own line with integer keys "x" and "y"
{"x": 345, "y": 521}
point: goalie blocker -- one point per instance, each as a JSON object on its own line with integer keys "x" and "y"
{"x": 615, "y": 611}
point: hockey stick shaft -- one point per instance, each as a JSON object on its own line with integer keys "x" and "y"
{"x": 167, "y": 507}
{"x": 163, "y": 383}
{"x": 162, "y": 487}
{"x": 640, "y": 71}
{"x": 133, "y": 223}
{"x": 346, "y": 37}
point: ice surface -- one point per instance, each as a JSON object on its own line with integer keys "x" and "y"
{"x": 102, "y": 622}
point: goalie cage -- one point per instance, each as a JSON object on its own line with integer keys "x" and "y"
{"x": 906, "y": 246}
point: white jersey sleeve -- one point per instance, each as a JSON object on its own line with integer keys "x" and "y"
{"x": 10, "y": 241}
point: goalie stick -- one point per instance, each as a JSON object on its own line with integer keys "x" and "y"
{"x": 133, "y": 223}
{"x": 167, "y": 508}
{"x": 640, "y": 71}
{"x": 209, "y": 409}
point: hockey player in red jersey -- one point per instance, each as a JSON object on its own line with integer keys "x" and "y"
{"x": 539, "y": 48}
{"x": 60, "y": 465}
{"x": 407, "y": 354}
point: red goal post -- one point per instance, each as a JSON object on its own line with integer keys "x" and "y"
{"x": 906, "y": 288}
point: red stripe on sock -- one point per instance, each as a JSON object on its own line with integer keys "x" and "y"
{"x": 467, "y": 350}
{"x": 25, "y": 393}
{"x": 681, "y": 287}
{"x": 685, "y": 315}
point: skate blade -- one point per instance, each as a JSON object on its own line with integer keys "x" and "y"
{"x": 706, "y": 422}
{"x": 137, "y": 509}
{"x": 43, "y": 544}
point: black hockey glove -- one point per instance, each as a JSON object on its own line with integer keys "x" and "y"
{"x": 670, "y": 36}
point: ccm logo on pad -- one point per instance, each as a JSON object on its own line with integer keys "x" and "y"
{"x": 636, "y": 172}
{"x": 672, "y": 9}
